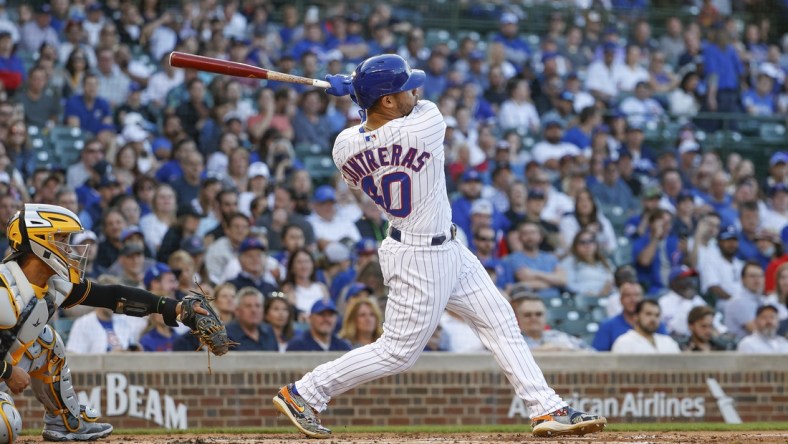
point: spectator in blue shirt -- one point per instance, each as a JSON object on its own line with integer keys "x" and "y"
{"x": 248, "y": 328}
{"x": 314, "y": 41}
{"x": 723, "y": 70}
{"x": 518, "y": 52}
{"x": 761, "y": 101}
{"x": 749, "y": 221}
{"x": 435, "y": 81}
{"x": 580, "y": 135}
{"x": 253, "y": 258}
{"x": 656, "y": 252}
{"x": 535, "y": 269}
{"x": 88, "y": 111}
{"x": 611, "y": 329}
{"x": 320, "y": 336}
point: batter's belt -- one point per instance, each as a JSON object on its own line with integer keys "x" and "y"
{"x": 422, "y": 240}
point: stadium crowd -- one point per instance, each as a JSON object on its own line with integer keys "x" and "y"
{"x": 194, "y": 182}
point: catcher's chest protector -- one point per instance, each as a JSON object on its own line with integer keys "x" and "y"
{"x": 23, "y": 315}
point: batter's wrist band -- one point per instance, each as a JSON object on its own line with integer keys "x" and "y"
{"x": 7, "y": 370}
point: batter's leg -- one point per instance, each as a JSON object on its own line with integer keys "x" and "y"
{"x": 491, "y": 316}
{"x": 420, "y": 281}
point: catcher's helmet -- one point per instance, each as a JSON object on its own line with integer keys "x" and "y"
{"x": 45, "y": 231}
{"x": 383, "y": 75}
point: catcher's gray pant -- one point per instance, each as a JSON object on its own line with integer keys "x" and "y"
{"x": 423, "y": 281}
{"x": 50, "y": 379}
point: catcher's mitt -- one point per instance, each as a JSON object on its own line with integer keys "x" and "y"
{"x": 209, "y": 329}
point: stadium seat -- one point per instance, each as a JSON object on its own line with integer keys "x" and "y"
{"x": 584, "y": 302}
{"x": 578, "y": 327}
{"x": 67, "y": 143}
{"x": 321, "y": 167}
{"x": 772, "y": 132}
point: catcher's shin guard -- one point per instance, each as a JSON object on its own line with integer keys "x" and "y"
{"x": 65, "y": 419}
{"x": 11, "y": 423}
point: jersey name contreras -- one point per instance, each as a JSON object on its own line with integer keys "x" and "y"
{"x": 400, "y": 166}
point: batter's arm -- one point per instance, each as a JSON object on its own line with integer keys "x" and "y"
{"x": 122, "y": 299}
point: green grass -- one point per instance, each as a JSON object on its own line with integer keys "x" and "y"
{"x": 441, "y": 430}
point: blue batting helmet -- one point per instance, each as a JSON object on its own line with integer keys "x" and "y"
{"x": 383, "y": 75}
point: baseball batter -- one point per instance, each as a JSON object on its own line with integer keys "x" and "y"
{"x": 396, "y": 157}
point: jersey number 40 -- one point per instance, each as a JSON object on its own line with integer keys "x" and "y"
{"x": 382, "y": 195}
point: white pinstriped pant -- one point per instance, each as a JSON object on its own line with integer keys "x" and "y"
{"x": 423, "y": 281}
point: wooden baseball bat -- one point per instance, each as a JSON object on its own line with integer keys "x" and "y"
{"x": 226, "y": 67}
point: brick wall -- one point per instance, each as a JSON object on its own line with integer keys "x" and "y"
{"x": 441, "y": 389}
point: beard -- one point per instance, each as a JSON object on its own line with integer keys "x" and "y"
{"x": 769, "y": 332}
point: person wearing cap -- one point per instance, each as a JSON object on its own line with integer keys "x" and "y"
{"x": 778, "y": 172}
{"x": 38, "y": 31}
{"x": 761, "y": 100}
{"x": 643, "y": 158}
{"x": 535, "y": 201}
{"x": 517, "y": 50}
{"x": 481, "y": 216}
{"x": 518, "y": 111}
{"x": 108, "y": 188}
{"x": 641, "y": 108}
{"x": 605, "y": 75}
{"x": 225, "y": 249}
{"x": 688, "y": 153}
{"x": 185, "y": 227}
{"x": 248, "y": 328}
{"x": 88, "y": 110}
{"x": 257, "y": 175}
{"x": 764, "y": 339}
{"x": 720, "y": 274}
{"x": 132, "y": 265}
{"x": 552, "y": 148}
{"x": 326, "y": 223}
{"x": 682, "y": 297}
{"x": 366, "y": 251}
{"x": 253, "y": 260}
{"x": 133, "y": 104}
{"x": 320, "y": 335}
{"x": 564, "y": 109}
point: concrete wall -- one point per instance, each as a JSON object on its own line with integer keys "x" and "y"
{"x": 175, "y": 390}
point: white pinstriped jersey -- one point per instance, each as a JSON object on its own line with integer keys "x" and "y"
{"x": 400, "y": 166}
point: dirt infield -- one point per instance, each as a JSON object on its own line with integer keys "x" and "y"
{"x": 459, "y": 438}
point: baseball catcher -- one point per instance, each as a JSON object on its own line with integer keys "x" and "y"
{"x": 43, "y": 272}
